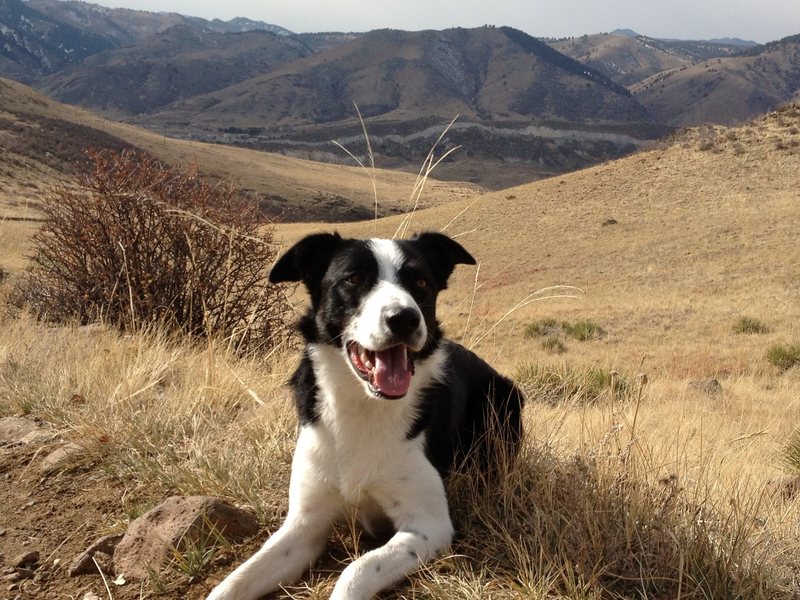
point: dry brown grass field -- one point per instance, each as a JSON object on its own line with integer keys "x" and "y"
{"x": 662, "y": 488}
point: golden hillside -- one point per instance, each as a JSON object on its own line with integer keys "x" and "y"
{"x": 704, "y": 232}
{"x": 40, "y": 138}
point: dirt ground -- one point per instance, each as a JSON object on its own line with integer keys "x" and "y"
{"x": 59, "y": 515}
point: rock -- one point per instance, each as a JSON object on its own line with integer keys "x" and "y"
{"x": 90, "y": 596}
{"x": 39, "y": 436}
{"x": 105, "y": 562}
{"x": 41, "y": 577}
{"x": 178, "y": 521}
{"x": 63, "y": 458}
{"x": 13, "y": 429}
{"x": 26, "y": 559}
{"x": 102, "y": 551}
{"x": 708, "y": 386}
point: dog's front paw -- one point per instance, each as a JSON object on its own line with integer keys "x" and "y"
{"x": 223, "y": 591}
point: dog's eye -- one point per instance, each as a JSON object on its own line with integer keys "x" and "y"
{"x": 355, "y": 279}
{"x": 422, "y": 283}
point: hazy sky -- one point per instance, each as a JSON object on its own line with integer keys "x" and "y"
{"x": 758, "y": 20}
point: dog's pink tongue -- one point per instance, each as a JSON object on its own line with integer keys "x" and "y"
{"x": 391, "y": 374}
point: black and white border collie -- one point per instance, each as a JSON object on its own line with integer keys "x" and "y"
{"x": 387, "y": 408}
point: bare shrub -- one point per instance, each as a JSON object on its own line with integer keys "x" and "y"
{"x": 142, "y": 244}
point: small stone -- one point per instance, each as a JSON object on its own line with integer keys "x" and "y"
{"x": 12, "y": 577}
{"x": 152, "y": 538}
{"x": 25, "y": 559}
{"x": 38, "y": 436}
{"x": 63, "y": 458}
{"x": 90, "y": 596}
{"x": 709, "y": 386}
{"x": 13, "y": 429}
{"x": 102, "y": 551}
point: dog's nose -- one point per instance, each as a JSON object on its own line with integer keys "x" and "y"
{"x": 403, "y": 322}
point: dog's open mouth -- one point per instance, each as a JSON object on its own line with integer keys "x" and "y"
{"x": 388, "y": 371}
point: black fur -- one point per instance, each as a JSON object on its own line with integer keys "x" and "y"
{"x": 471, "y": 409}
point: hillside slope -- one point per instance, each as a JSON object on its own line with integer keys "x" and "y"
{"x": 175, "y": 64}
{"x": 520, "y": 104}
{"x": 672, "y": 243}
{"x": 33, "y": 43}
{"x": 42, "y": 142}
{"x": 727, "y": 90}
{"x": 497, "y": 74}
{"x": 628, "y": 59}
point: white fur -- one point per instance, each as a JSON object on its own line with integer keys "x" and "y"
{"x": 369, "y": 328}
{"x": 356, "y": 457}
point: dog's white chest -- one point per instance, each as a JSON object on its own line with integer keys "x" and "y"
{"x": 362, "y": 441}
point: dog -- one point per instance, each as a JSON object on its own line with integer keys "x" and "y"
{"x": 387, "y": 408}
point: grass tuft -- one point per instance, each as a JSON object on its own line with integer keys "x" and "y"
{"x": 582, "y": 330}
{"x": 553, "y": 344}
{"x": 543, "y": 327}
{"x": 791, "y": 454}
{"x": 598, "y": 524}
{"x": 565, "y": 385}
{"x": 784, "y": 356}
{"x": 747, "y": 325}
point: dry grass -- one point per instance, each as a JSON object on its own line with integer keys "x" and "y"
{"x": 623, "y": 498}
{"x": 294, "y": 182}
{"x": 658, "y": 492}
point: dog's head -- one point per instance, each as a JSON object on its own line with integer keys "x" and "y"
{"x": 374, "y": 299}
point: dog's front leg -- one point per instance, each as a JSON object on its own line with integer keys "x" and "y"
{"x": 416, "y": 503}
{"x": 314, "y": 504}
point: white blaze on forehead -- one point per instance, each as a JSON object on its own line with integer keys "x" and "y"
{"x": 389, "y": 257}
{"x": 369, "y": 327}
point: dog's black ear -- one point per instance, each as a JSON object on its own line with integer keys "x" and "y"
{"x": 444, "y": 254}
{"x": 307, "y": 260}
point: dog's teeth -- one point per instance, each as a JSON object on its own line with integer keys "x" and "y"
{"x": 366, "y": 361}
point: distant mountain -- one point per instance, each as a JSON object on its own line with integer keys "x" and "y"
{"x": 175, "y": 64}
{"x": 125, "y": 26}
{"x": 487, "y": 74}
{"x": 628, "y": 59}
{"x": 42, "y": 37}
{"x": 33, "y": 43}
{"x": 727, "y": 90}
{"x": 734, "y": 41}
{"x": 237, "y": 25}
{"x": 553, "y": 106}
{"x": 326, "y": 40}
